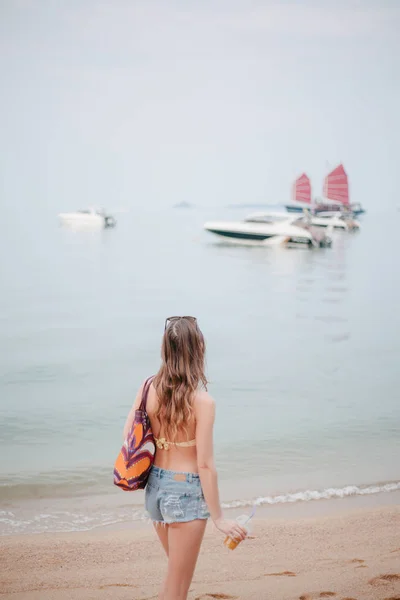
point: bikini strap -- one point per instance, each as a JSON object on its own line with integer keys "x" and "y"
{"x": 145, "y": 393}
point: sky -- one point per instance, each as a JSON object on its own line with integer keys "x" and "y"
{"x": 150, "y": 102}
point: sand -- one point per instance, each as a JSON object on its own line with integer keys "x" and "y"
{"x": 347, "y": 556}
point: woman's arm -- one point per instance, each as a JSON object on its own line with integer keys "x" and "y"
{"x": 205, "y": 417}
{"x": 131, "y": 415}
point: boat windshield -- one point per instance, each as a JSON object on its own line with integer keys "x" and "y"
{"x": 91, "y": 211}
{"x": 266, "y": 218}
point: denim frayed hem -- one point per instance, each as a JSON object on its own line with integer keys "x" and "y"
{"x": 164, "y": 523}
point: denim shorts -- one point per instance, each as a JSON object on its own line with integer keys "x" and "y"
{"x": 174, "y": 497}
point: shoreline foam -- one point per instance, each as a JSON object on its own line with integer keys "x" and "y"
{"x": 60, "y": 515}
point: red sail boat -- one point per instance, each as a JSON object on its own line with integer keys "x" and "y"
{"x": 336, "y": 186}
{"x": 301, "y": 193}
{"x": 336, "y": 193}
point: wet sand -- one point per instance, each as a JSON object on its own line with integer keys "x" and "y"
{"x": 352, "y": 556}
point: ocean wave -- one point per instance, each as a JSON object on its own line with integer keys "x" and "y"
{"x": 81, "y": 515}
{"x": 324, "y": 494}
{"x": 12, "y": 523}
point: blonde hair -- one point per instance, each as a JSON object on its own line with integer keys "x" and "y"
{"x": 181, "y": 372}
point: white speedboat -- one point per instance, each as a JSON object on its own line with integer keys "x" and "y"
{"x": 91, "y": 217}
{"x": 268, "y": 229}
{"x": 333, "y": 220}
{"x": 322, "y": 206}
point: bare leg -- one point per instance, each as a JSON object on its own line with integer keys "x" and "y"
{"x": 162, "y": 532}
{"x": 184, "y": 541}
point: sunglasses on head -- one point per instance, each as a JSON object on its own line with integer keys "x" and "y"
{"x": 170, "y": 319}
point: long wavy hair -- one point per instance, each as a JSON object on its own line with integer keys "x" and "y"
{"x": 181, "y": 374}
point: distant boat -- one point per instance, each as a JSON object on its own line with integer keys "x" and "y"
{"x": 336, "y": 194}
{"x": 268, "y": 229}
{"x": 332, "y": 220}
{"x": 183, "y": 204}
{"x": 336, "y": 186}
{"x": 301, "y": 194}
{"x": 90, "y": 217}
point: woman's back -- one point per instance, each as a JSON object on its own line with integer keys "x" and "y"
{"x": 177, "y": 452}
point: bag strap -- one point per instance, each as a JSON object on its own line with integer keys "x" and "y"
{"x": 145, "y": 393}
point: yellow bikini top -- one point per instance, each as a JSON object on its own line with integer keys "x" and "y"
{"x": 163, "y": 444}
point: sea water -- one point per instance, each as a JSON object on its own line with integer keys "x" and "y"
{"x": 303, "y": 360}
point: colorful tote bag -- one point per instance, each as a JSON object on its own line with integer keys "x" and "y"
{"x": 136, "y": 457}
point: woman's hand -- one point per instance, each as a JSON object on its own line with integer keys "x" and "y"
{"x": 231, "y": 528}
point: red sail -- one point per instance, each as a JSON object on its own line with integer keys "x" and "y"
{"x": 336, "y": 186}
{"x": 302, "y": 189}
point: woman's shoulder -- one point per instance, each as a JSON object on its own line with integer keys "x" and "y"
{"x": 203, "y": 400}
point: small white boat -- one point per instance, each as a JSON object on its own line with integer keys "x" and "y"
{"x": 91, "y": 217}
{"x": 269, "y": 229}
{"x": 327, "y": 206}
{"x": 332, "y": 219}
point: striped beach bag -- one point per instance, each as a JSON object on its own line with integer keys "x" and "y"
{"x": 136, "y": 457}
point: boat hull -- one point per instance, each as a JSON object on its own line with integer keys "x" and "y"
{"x": 293, "y": 208}
{"x": 258, "y": 234}
{"x": 86, "y": 220}
{"x": 356, "y": 210}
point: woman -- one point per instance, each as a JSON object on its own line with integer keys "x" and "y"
{"x": 182, "y": 489}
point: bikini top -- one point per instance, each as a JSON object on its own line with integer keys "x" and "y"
{"x": 163, "y": 444}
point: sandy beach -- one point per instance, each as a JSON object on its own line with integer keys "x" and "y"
{"x": 345, "y": 556}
